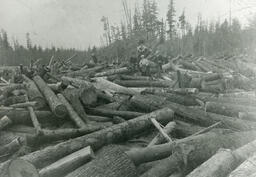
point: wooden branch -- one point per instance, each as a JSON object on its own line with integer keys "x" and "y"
{"x": 167, "y": 129}
{"x": 159, "y": 128}
{"x": 72, "y": 113}
{"x": 68, "y": 163}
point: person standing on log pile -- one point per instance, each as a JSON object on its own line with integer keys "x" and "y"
{"x": 142, "y": 49}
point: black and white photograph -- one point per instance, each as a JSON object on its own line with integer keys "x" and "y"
{"x": 127, "y": 88}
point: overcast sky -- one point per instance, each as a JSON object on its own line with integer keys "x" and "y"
{"x": 76, "y": 23}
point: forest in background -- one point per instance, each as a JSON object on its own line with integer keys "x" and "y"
{"x": 173, "y": 36}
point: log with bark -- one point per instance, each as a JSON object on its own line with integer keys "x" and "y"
{"x": 10, "y": 148}
{"x": 128, "y": 77}
{"x": 9, "y": 88}
{"x": 247, "y": 168}
{"x": 33, "y": 93}
{"x": 151, "y": 103}
{"x": 113, "y": 72}
{"x": 14, "y": 100}
{"x": 54, "y": 103}
{"x": 68, "y": 163}
{"x": 103, "y": 84}
{"x": 181, "y": 91}
{"x": 72, "y": 95}
{"x": 96, "y": 140}
{"x": 226, "y": 109}
{"x": 144, "y": 83}
{"x": 23, "y": 117}
{"x": 24, "y": 105}
{"x": 111, "y": 113}
{"x": 4, "y": 122}
{"x": 72, "y": 113}
{"x": 188, "y": 156}
{"x": 110, "y": 162}
{"x": 224, "y": 161}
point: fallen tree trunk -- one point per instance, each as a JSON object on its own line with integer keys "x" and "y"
{"x": 110, "y": 162}
{"x": 4, "y": 122}
{"x": 72, "y": 96}
{"x": 128, "y": 77}
{"x": 181, "y": 91}
{"x": 103, "y": 84}
{"x": 23, "y": 117}
{"x": 24, "y": 105}
{"x": 68, "y": 163}
{"x": 113, "y": 72}
{"x": 247, "y": 168}
{"x": 111, "y": 113}
{"x": 144, "y": 83}
{"x": 72, "y": 113}
{"x": 62, "y": 134}
{"x": 33, "y": 93}
{"x": 223, "y": 162}
{"x": 188, "y": 156}
{"x": 116, "y": 133}
{"x": 150, "y": 103}
{"x": 56, "y": 106}
{"x": 10, "y": 148}
{"x": 231, "y": 110}
{"x": 14, "y": 100}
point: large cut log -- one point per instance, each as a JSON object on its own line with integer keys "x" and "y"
{"x": 128, "y": 77}
{"x": 186, "y": 100}
{"x": 14, "y": 100}
{"x": 33, "y": 93}
{"x": 150, "y": 103}
{"x": 224, "y": 161}
{"x": 8, "y": 89}
{"x": 96, "y": 140}
{"x": 75, "y": 82}
{"x": 103, "y": 84}
{"x": 72, "y": 96}
{"x": 247, "y": 168}
{"x": 144, "y": 83}
{"x": 181, "y": 91}
{"x": 56, "y": 106}
{"x": 4, "y": 122}
{"x": 84, "y": 72}
{"x": 10, "y": 148}
{"x": 24, "y": 105}
{"x": 23, "y": 116}
{"x": 231, "y": 110}
{"x": 19, "y": 167}
{"x": 188, "y": 156}
{"x": 110, "y": 162}
{"x": 111, "y": 113}
{"x": 49, "y": 136}
{"x": 68, "y": 163}
{"x": 167, "y": 129}
{"x": 230, "y": 100}
{"x": 113, "y": 72}
{"x": 72, "y": 113}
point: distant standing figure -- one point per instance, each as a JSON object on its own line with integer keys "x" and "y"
{"x": 142, "y": 50}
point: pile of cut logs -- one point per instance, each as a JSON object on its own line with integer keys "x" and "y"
{"x": 196, "y": 119}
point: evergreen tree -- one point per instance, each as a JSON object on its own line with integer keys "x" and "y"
{"x": 171, "y": 19}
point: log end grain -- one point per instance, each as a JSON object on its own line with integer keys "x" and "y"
{"x": 22, "y": 168}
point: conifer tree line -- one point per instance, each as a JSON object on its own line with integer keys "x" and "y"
{"x": 171, "y": 35}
